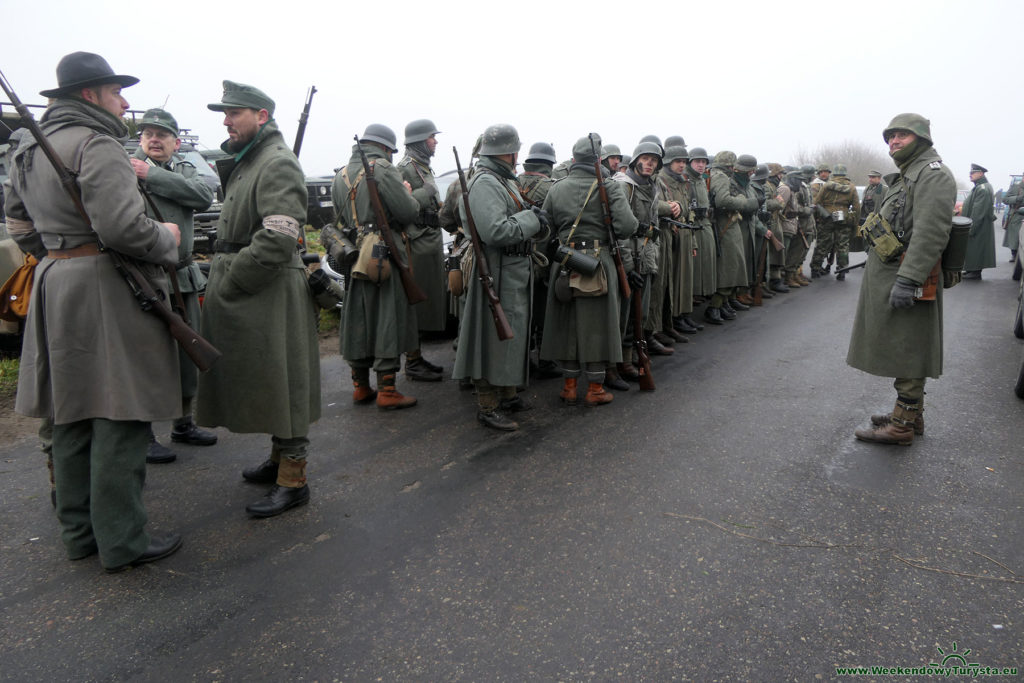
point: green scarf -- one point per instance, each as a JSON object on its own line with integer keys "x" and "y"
{"x": 904, "y": 157}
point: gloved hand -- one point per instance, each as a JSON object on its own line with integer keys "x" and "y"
{"x": 902, "y": 294}
{"x": 636, "y": 280}
{"x": 951, "y": 278}
{"x": 543, "y": 217}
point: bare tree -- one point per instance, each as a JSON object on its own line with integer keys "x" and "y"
{"x": 858, "y": 157}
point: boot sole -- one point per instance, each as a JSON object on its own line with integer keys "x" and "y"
{"x": 883, "y": 443}
{"x": 396, "y": 407}
{"x": 265, "y": 515}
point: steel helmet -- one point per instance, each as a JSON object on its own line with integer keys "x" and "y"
{"x": 419, "y": 130}
{"x": 499, "y": 139}
{"x": 381, "y": 134}
{"x": 915, "y": 123}
{"x": 544, "y": 153}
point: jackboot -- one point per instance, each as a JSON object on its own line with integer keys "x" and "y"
{"x": 290, "y": 490}
{"x": 596, "y": 395}
{"x": 613, "y": 381}
{"x": 389, "y": 398}
{"x": 363, "y": 393}
{"x": 882, "y": 420}
{"x": 568, "y": 394}
{"x": 900, "y": 428}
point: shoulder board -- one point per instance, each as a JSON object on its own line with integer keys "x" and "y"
{"x": 935, "y": 164}
{"x": 404, "y": 162}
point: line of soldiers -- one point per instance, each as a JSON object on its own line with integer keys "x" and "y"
{"x": 687, "y": 233}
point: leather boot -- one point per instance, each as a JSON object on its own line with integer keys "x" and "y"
{"x": 568, "y": 394}
{"x": 676, "y": 336}
{"x": 899, "y": 430}
{"x": 777, "y": 285}
{"x": 613, "y": 381}
{"x": 418, "y": 370}
{"x": 792, "y": 282}
{"x": 495, "y": 420}
{"x": 290, "y": 490}
{"x": 264, "y": 473}
{"x": 816, "y": 272}
{"x": 688, "y": 319}
{"x": 596, "y": 395}
{"x": 682, "y": 324}
{"x": 713, "y": 315}
{"x": 158, "y": 454}
{"x": 727, "y": 312}
{"x": 657, "y": 348}
{"x": 363, "y": 393}
{"x": 801, "y": 279}
{"x": 188, "y": 432}
{"x": 628, "y": 371}
{"x": 739, "y": 305}
{"x": 663, "y": 339}
{"x": 882, "y": 420}
{"x": 388, "y": 398}
{"x": 744, "y": 299}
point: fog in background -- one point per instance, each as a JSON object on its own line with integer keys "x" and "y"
{"x": 764, "y": 78}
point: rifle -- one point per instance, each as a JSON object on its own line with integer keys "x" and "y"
{"x": 172, "y": 275}
{"x": 646, "y": 380}
{"x": 483, "y": 271}
{"x": 853, "y": 267}
{"x": 303, "y": 119}
{"x": 412, "y": 291}
{"x": 606, "y": 209}
{"x": 762, "y": 265}
{"x": 202, "y": 352}
{"x": 678, "y": 224}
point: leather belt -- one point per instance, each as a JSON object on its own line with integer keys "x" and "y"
{"x": 585, "y": 244}
{"x": 521, "y": 249}
{"x": 88, "y": 249}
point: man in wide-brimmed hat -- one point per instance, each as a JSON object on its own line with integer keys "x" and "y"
{"x": 81, "y": 363}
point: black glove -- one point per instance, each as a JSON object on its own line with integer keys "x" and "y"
{"x": 636, "y": 280}
{"x": 543, "y": 217}
{"x": 902, "y": 294}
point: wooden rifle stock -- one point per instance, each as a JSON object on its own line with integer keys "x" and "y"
{"x": 172, "y": 273}
{"x": 606, "y": 209}
{"x": 483, "y": 271}
{"x": 412, "y": 291}
{"x": 646, "y": 380}
{"x": 762, "y": 265}
{"x": 202, "y": 352}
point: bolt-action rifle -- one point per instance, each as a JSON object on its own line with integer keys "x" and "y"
{"x": 202, "y": 352}
{"x": 606, "y": 209}
{"x": 303, "y": 120}
{"x": 412, "y": 291}
{"x": 483, "y": 271}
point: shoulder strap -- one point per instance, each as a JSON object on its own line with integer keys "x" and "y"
{"x": 352, "y": 189}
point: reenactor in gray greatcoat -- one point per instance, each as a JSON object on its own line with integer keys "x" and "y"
{"x": 704, "y": 275}
{"x": 93, "y": 361}
{"x": 426, "y": 246}
{"x": 173, "y": 186}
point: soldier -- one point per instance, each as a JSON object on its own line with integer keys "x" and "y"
{"x": 426, "y": 247}
{"x": 764, "y": 222}
{"x": 173, "y": 186}
{"x": 874, "y": 192}
{"x": 611, "y": 157}
{"x": 775, "y": 203}
{"x": 258, "y": 290}
{"x": 731, "y": 201}
{"x": 838, "y": 198}
{"x": 642, "y": 247}
{"x": 895, "y": 334}
{"x": 583, "y": 331}
{"x": 804, "y": 231}
{"x": 981, "y": 242}
{"x": 1014, "y": 200}
{"x": 676, "y": 188}
{"x": 506, "y": 228}
{"x": 746, "y": 165}
{"x": 667, "y": 281}
{"x": 704, "y": 275}
{"x": 92, "y": 359}
{"x": 534, "y": 183}
{"x": 378, "y": 324}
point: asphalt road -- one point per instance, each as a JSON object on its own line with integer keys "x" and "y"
{"x": 727, "y": 527}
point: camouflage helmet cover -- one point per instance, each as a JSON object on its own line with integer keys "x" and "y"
{"x": 839, "y": 169}
{"x": 419, "y": 130}
{"x": 823, "y": 167}
{"x": 499, "y": 139}
{"x": 915, "y": 123}
{"x": 725, "y": 159}
{"x": 774, "y": 169}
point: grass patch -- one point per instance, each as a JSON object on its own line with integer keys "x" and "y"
{"x": 313, "y": 241}
{"x": 329, "y": 321}
{"x": 9, "y": 376}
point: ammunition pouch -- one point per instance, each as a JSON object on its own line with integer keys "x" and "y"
{"x": 373, "y": 262}
{"x": 429, "y": 218}
{"x": 878, "y": 234}
{"x": 594, "y": 284}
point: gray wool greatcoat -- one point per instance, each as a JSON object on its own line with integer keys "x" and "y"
{"x": 378, "y": 322}
{"x": 258, "y": 309}
{"x": 502, "y": 224}
{"x": 907, "y": 342}
{"x": 587, "y": 328}
{"x": 731, "y": 267}
{"x": 704, "y": 275}
{"x": 89, "y": 350}
{"x": 981, "y": 244}
{"x": 426, "y": 247}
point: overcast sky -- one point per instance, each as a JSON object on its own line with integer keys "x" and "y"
{"x": 764, "y": 78}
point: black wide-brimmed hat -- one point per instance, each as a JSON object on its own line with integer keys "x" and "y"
{"x": 83, "y": 69}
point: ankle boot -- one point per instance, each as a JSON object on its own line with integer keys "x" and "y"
{"x": 596, "y": 395}
{"x": 628, "y": 371}
{"x": 900, "y": 428}
{"x": 882, "y": 420}
{"x": 613, "y": 381}
{"x": 568, "y": 394}
{"x": 801, "y": 279}
{"x": 791, "y": 281}
{"x": 290, "y": 490}
{"x": 388, "y": 398}
{"x": 363, "y": 393}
